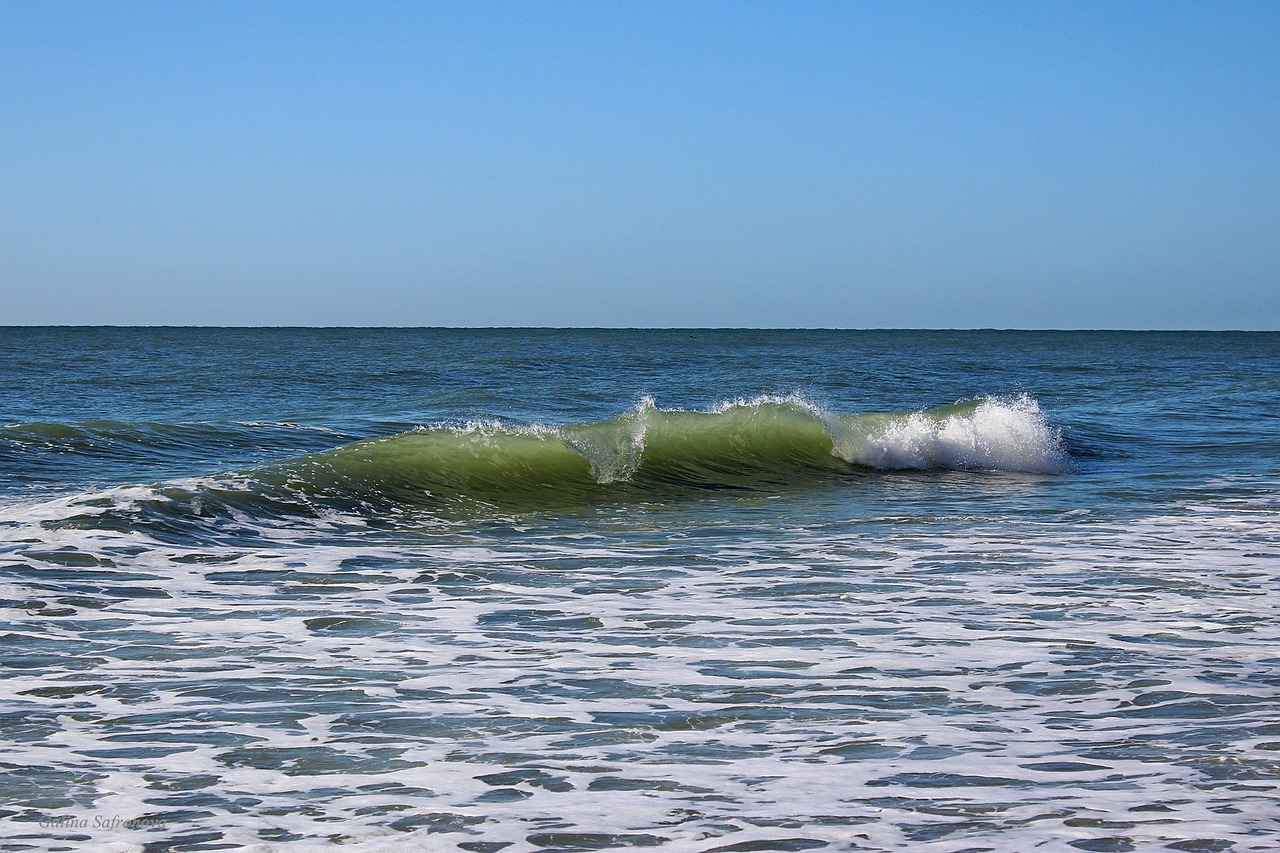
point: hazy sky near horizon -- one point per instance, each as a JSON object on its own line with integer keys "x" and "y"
{"x": 834, "y": 164}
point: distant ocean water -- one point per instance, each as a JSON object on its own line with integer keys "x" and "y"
{"x": 528, "y": 590}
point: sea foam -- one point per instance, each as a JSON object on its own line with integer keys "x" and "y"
{"x": 993, "y": 435}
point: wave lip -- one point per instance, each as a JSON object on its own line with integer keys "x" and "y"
{"x": 984, "y": 435}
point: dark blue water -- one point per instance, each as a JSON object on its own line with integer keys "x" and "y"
{"x": 594, "y": 589}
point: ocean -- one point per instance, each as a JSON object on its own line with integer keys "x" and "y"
{"x": 690, "y": 590}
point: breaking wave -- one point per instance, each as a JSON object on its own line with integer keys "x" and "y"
{"x": 766, "y": 443}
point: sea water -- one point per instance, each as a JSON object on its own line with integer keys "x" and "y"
{"x": 526, "y": 590}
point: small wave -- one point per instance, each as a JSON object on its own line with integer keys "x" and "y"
{"x": 107, "y": 439}
{"x": 766, "y": 443}
{"x": 765, "y": 440}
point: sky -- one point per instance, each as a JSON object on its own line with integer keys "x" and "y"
{"x": 852, "y": 164}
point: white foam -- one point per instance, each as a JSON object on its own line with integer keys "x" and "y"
{"x": 951, "y": 648}
{"x": 998, "y": 435}
{"x": 796, "y": 399}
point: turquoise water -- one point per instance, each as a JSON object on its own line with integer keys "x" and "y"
{"x": 693, "y": 590}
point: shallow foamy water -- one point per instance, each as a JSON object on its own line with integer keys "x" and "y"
{"x": 885, "y": 682}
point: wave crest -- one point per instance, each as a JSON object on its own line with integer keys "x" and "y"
{"x": 991, "y": 435}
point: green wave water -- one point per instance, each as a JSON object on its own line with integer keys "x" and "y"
{"x": 766, "y": 442}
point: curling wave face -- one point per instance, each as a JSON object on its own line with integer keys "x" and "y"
{"x": 765, "y": 444}
{"x": 768, "y": 441}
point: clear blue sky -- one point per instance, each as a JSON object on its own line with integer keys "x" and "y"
{"x": 842, "y": 164}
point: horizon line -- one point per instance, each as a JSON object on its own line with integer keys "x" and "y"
{"x": 287, "y": 326}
